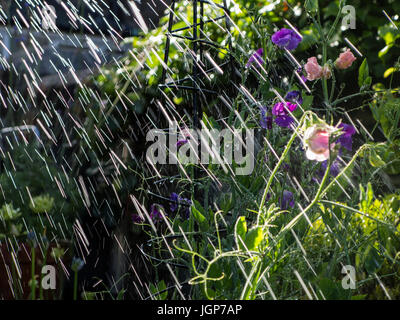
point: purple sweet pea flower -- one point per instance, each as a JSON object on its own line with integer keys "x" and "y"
{"x": 286, "y": 38}
{"x": 137, "y": 218}
{"x": 32, "y": 238}
{"x": 183, "y": 137}
{"x": 174, "y": 205}
{"x": 334, "y": 171}
{"x": 180, "y": 143}
{"x": 257, "y": 58}
{"x": 266, "y": 121}
{"x": 155, "y": 214}
{"x": 279, "y": 109}
{"x": 287, "y": 200}
{"x": 284, "y": 121}
{"x": 294, "y": 96}
{"x": 178, "y": 200}
{"x": 187, "y": 210}
{"x": 346, "y": 140}
{"x": 335, "y": 168}
{"x": 281, "y": 113}
{"x": 302, "y": 76}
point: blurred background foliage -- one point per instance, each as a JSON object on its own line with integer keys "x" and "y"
{"x": 35, "y": 192}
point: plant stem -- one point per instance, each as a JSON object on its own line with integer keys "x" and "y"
{"x": 294, "y": 221}
{"x": 335, "y": 180}
{"x": 285, "y": 152}
{"x": 324, "y": 41}
{"x": 338, "y": 16}
{"x": 352, "y": 96}
{"x": 283, "y": 156}
{"x": 252, "y": 286}
{"x": 332, "y": 88}
{"x": 75, "y": 285}
{"x": 33, "y": 280}
{"x": 321, "y": 192}
{"x": 324, "y": 80}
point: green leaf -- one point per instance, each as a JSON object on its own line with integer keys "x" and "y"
{"x": 210, "y": 292}
{"x": 199, "y": 207}
{"x": 370, "y": 194}
{"x": 153, "y": 288}
{"x": 388, "y": 33}
{"x": 240, "y": 231}
{"x": 311, "y": 6}
{"x": 375, "y": 160}
{"x": 330, "y": 289}
{"x": 309, "y": 39}
{"x": 241, "y": 227}
{"x": 362, "y": 193}
{"x": 200, "y": 219}
{"x": 161, "y": 287}
{"x": 359, "y": 297}
{"x": 226, "y": 202}
{"x": 254, "y": 238}
{"x": 363, "y": 73}
{"x": 88, "y": 295}
{"x": 307, "y": 102}
{"x": 331, "y": 10}
{"x": 395, "y": 203}
{"x": 384, "y": 51}
{"x": 367, "y": 83}
{"x": 372, "y": 260}
{"x": 256, "y": 184}
{"x": 121, "y": 294}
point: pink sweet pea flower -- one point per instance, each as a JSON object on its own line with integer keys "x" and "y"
{"x": 313, "y": 69}
{"x": 326, "y": 72}
{"x": 316, "y": 139}
{"x": 345, "y": 60}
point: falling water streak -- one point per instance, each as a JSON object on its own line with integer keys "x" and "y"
{"x": 365, "y": 130}
{"x": 138, "y": 17}
{"x": 299, "y": 243}
{"x": 293, "y": 28}
{"x": 292, "y": 58}
{"x": 353, "y": 47}
{"x": 305, "y": 215}
{"x": 300, "y": 188}
{"x": 382, "y": 286}
{"x": 303, "y": 284}
{"x": 302, "y": 81}
{"x": 391, "y": 21}
{"x": 178, "y": 285}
